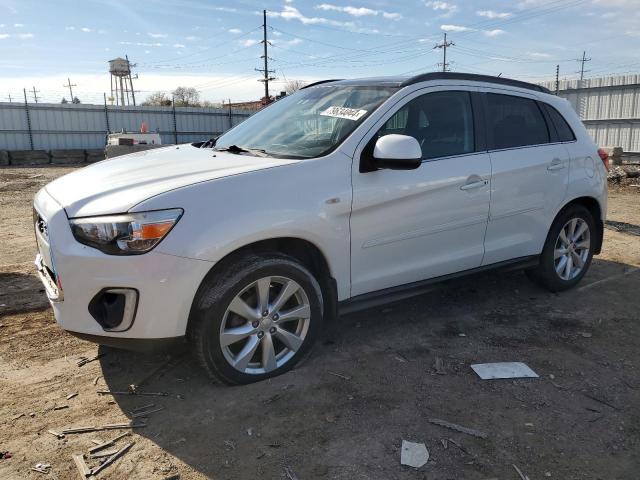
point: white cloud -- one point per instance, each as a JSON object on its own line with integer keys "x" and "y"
{"x": 455, "y": 28}
{"x": 358, "y": 11}
{"x": 178, "y": 45}
{"x": 70, "y": 28}
{"x": 354, "y": 11}
{"x": 292, "y": 13}
{"x": 249, "y": 42}
{"x": 3, "y": 36}
{"x": 191, "y": 38}
{"x": 157, "y": 35}
{"x": 85, "y": 29}
{"x": 276, "y": 33}
{"x": 234, "y": 30}
{"x": 24, "y": 36}
{"x": 493, "y": 14}
{"x": 493, "y": 33}
{"x": 538, "y": 55}
{"x": 446, "y": 8}
{"x": 287, "y": 43}
{"x": 391, "y": 15}
{"x": 142, "y": 44}
{"x": 18, "y": 25}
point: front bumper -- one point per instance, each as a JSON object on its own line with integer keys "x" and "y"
{"x": 166, "y": 284}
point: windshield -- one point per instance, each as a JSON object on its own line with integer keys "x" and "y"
{"x": 307, "y": 124}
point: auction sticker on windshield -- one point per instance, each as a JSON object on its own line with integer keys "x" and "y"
{"x": 344, "y": 112}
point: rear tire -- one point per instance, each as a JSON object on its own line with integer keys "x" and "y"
{"x": 568, "y": 250}
{"x": 257, "y": 320}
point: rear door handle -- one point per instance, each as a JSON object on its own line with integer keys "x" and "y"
{"x": 556, "y": 164}
{"x": 474, "y": 181}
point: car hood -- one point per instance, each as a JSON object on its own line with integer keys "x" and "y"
{"x": 118, "y": 184}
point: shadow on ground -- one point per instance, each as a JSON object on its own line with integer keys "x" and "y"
{"x": 20, "y": 292}
{"x": 315, "y": 424}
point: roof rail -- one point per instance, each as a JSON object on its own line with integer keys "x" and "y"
{"x": 321, "y": 82}
{"x": 473, "y": 77}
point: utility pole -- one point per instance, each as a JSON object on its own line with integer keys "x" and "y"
{"x": 582, "y": 61}
{"x": 557, "y": 79}
{"x": 35, "y": 94}
{"x": 444, "y": 45}
{"x": 265, "y": 56}
{"x": 70, "y": 89}
{"x": 9, "y": 97}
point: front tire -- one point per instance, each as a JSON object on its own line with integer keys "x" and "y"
{"x": 257, "y": 320}
{"x": 568, "y": 250}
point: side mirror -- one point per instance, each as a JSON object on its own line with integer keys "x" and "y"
{"x": 397, "y": 152}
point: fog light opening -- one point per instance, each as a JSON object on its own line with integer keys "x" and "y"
{"x": 114, "y": 308}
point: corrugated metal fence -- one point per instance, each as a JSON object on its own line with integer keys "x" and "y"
{"x": 609, "y": 108}
{"x": 47, "y": 126}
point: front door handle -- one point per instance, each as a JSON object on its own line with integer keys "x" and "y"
{"x": 474, "y": 181}
{"x": 556, "y": 164}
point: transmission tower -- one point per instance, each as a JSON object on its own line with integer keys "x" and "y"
{"x": 265, "y": 71}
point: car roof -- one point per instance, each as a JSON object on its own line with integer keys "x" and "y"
{"x": 403, "y": 81}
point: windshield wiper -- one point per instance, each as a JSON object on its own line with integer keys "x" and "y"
{"x": 236, "y": 149}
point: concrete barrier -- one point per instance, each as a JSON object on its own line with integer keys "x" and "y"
{"x": 94, "y": 155}
{"x": 67, "y": 156}
{"x": 4, "y": 158}
{"x": 29, "y": 157}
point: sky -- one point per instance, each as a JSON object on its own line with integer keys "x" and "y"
{"x": 213, "y": 45}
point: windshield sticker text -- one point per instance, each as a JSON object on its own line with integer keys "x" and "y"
{"x": 344, "y": 112}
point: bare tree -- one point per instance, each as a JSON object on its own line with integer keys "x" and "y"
{"x": 293, "y": 86}
{"x": 186, "y": 97}
{"x": 158, "y": 99}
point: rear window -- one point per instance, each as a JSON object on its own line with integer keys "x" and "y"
{"x": 565, "y": 134}
{"x": 516, "y": 121}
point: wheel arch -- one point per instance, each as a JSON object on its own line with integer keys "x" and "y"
{"x": 594, "y": 207}
{"x": 302, "y": 250}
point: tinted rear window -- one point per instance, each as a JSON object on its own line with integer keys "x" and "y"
{"x": 565, "y": 134}
{"x": 515, "y": 121}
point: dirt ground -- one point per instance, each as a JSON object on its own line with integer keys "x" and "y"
{"x": 344, "y": 412}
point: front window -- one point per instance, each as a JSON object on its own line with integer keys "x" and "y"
{"x": 307, "y": 124}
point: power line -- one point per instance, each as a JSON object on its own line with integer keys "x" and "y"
{"x": 35, "y": 94}
{"x": 444, "y": 45}
{"x": 582, "y": 61}
{"x": 70, "y": 89}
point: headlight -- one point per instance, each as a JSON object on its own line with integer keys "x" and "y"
{"x": 126, "y": 234}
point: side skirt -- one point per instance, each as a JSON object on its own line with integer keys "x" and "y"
{"x": 401, "y": 292}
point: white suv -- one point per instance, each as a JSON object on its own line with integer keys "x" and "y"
{"x": 344, "y": 195}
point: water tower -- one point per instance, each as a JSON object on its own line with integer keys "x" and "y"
{"x": 121, "y": 81}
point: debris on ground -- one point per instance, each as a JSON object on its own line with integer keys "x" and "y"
{"x": 413, "y": 454}
{"x": 339, "y": 375}
{"x": 84, "y": 360}
{"x": 458, "y": 428}
{"x": 17, "y": 416}
{"x": 290, "y": 475}
{"x": 491, "y": 371}
{"x": 108, "y": 443}
{"x": 438, "y": 366}
{"x": 112, "y": 426}
{"x": 56, "y": 434}
{"x": 5, "y": 455}
{"x": 41, "y": 467}
{"x": 522, "y": 475}
{"x": 71, "y": 395}
{"x": 60, "y": 407}
{"x": 134, "y": 392}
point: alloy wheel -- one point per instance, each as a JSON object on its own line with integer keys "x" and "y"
{"x": 572, "y": 248}
{"x": 265, "y": 325}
